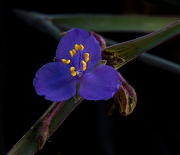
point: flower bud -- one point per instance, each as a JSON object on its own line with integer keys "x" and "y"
{"x": 124, "y": 100}
{"x": 43, "y": 134}
{"x": 100, "y": 39}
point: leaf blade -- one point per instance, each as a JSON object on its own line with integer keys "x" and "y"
{"x": 27, "y": 145}
{"x": 113, "y": 23}
{"x": 131, "y": 49}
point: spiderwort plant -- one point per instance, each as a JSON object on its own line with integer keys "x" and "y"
{"x": 77, "y": 70}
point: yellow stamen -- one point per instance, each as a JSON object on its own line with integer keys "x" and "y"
{"x": 81, "y": 47}
{"x": 83, "y": 65}
{"x": 72, "y": 71}
{"x": 86, "y": 57}
{"x": 76, "y": 47}
{"x": 71, "y": 53}
{"x": 64, "y": 61}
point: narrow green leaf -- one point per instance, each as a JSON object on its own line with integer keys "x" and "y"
{"x": 27, "y": 145}
{"x": 96, "y": 22}
{"x": 131, "y": 49}
{"x": 113, "y": 23}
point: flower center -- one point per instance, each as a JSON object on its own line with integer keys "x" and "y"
{"x": 83, "y": 60}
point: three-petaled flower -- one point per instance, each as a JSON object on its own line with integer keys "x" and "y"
{"x": 77, "y": 70}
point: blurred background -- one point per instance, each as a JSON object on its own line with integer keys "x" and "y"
{"x": 152, "y": 128}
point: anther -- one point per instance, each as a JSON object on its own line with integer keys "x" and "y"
{"x": 83, "y": 65}
{"x": 71, "y": 53}
{"x": 76, "y": 47}
{"x": 72, "y": 71}
{"x": 86, "y": 57}
{"x": 64, "y": 61}
{"x": 81, "y": 47}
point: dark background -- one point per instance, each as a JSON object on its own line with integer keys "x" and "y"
{"x": 153, "y": 127}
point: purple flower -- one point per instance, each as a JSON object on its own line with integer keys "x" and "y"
{"x": 77, "y": 70}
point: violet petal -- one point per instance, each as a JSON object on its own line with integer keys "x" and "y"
{"x": 100, "y": 84}
{"x": 53, "y": 80}
{"x": 79, "y": 36}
